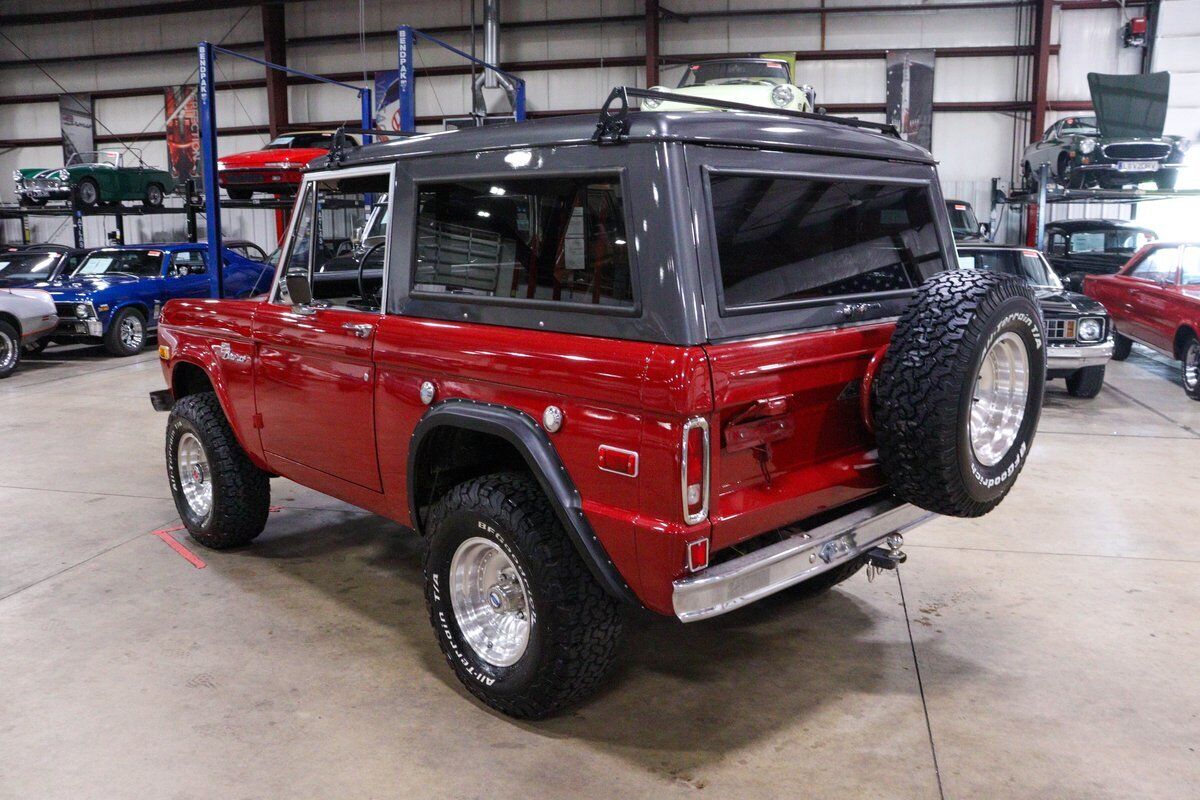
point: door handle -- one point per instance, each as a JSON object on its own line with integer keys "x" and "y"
{"x": 361, "y": 330}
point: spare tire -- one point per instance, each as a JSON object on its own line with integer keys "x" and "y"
{"x": 959, "y": 392}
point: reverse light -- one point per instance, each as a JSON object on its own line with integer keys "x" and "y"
{"x": 694, "y": 470}
{"x": 1087, "y": 145}
{"x": 782, "y": 96}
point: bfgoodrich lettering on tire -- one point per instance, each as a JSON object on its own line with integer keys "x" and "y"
{"x": 959, "y": 392}
{"x": 222, "y": 498}
{"x": 521, "y": 621}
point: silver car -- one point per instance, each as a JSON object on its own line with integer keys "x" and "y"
{"x": 26, "y": 318}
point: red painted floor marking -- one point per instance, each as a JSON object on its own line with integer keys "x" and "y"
{"x": 273, "y": 509}
{"x": 192, "y": 558}
{"x": 169, "y": 530}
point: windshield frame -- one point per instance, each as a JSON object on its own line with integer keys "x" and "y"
{"x": 110, "y": 253}
{"x": 764, "y": 63}
{"x": 1017, "y": 253}
{"x": 22, "y": 255}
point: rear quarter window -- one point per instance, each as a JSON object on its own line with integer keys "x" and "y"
{"x": 795, "y": 241}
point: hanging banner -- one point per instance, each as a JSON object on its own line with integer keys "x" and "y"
{"x": 78, "y": 125}
{"x": 387, "y": 101}
{"x": 910, "y": 95}
{"x": 183, "y": 132}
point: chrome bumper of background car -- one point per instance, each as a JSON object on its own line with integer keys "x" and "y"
{"x": 740, "y": 581}
{"x": 79, "y": 327}
{"x": 44, "y": 191}
{"x": 1073, "y": 357}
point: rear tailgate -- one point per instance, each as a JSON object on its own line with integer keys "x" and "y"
{"x": 789, "y": 440}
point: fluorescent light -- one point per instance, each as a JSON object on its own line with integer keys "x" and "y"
{"x": 484, "y": 214}
{"x": 618, "y": 241}
{"x": 497, "y": 190}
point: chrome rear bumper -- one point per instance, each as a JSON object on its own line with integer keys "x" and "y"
{"x": 730, "y": 584}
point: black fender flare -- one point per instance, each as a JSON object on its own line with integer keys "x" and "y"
{"x": 531, "y": 442}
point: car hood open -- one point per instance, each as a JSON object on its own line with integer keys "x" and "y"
{"x": 1130, "y": 106}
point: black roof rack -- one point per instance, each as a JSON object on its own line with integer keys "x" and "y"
{"x": 341, "y": 145}
{"x": 613, "y": 125}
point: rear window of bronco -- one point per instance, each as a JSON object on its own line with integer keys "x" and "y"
{"x": 784, "y": 240}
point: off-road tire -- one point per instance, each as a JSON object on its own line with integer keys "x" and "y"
{"x": 575, "y": 624}
{"x": 154, "y": 196}
{"x": 828, "y": 579}
{"x": 83, "y": 198}
{"x": 1086, "y": 382}
{"x": 10, "y": 349}
{"x": 1122, "y": 346}
{"x": 1185, "y": 356}
{"x": 240, "y": 194}
{"x": 241, "y": 492}
{"x": 112, "y": 337}
{"x": 926, "y": 386}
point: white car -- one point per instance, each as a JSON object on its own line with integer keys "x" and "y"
{"x": 765, "y": 82}
{"x": 26, "y": 317}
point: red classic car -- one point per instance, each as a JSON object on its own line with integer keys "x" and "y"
{"x": 1155, "y": 300}
{"x": 276, "y": 168}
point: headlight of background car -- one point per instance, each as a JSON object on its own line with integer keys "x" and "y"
{"x": 1090, "y": 330}
{"x": 1087, "y": 145}
{"x": 1183, "y": 144}
{"x": 17, "y": 176}
{"x": 782, "y": 96}
{"x": 83, "y": 310}
{"x": 652, "y": 102}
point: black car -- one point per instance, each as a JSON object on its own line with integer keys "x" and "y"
{"x": 1122, "y": 145}
{"x": 31, "y": 266}
{"x": 1079, "y": 247}
{"x": 965, "y": 226}
{"x": 1078, "y": 332}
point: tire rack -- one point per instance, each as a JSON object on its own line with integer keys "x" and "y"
{"x": 1048, "y": 195}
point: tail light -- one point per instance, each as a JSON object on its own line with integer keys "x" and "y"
{"x": 694, "y": 470}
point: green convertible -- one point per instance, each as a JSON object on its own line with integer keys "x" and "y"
{"x": 95, "y": 178}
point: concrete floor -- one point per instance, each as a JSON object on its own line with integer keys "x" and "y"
{"x": 1058, "y": 638}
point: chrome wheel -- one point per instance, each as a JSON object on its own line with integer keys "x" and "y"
{"x": 8, "y": 351}
{"x": 1191, "y": 366}
{"x": 195, "y": 478}
{"x": 489, "y": 602}
{"x": 130, "y": 333}
{"x": 998, "y": 404}
{"x": 88, "y": 193}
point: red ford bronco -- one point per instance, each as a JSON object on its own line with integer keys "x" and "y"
{"x": 680, "y": 360}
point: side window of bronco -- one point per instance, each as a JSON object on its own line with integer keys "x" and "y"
{"x": 538, "y": 239}
{"x": 344, "y": 267}
{"x": 783, "y": 240}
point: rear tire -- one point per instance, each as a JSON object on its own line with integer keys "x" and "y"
{"x": 126, "y": 334}
{"x": 10, "y": 349}
{"x": 1086, "y": 382}
{"x": 222, "y": 498}
{"x": 87, "y": 193}
{"x": 1122, "y": 346}
{"x": 1191, "y": 368}
{"x": 154, "y": 196}
{"x": 1165, "y": 181}
{"x": 239, "y": 194}
{"x": 548, "y": 629}
{"x": 959, "y": 392}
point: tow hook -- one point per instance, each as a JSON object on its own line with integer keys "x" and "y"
{"x": 889, "y": 556}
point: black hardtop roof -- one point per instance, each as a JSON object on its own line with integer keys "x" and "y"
{"x": 746, "y": 129}
{"x": 1074, "y": 225}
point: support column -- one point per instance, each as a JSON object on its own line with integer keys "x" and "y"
{"x": 651, "y": 43}
{"x": 275, "y": 51}
{"x": 1043, "y": 13}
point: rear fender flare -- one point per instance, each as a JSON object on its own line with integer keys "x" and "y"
{"x": 531, "y": 442}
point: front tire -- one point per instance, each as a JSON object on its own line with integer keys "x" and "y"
{"x": 10, "y": 349}
{"x": 222, "y": 498}
{"x": 87, "y": 193}
{"x": 1122, "y": 347}
{"x": 1086, "y": 382}
{"x": 518, "y": 616}
{"x": 959, "y": 392}
{"x": 239, "y": 194}
{"x": 126, "y": 335}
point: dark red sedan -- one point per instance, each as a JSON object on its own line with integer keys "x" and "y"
{"x": 275, "y": 169}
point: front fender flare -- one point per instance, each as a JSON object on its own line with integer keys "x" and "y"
{"x": 530, "y": 441}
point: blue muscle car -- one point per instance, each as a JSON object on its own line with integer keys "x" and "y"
{"x": 115, "y": 294}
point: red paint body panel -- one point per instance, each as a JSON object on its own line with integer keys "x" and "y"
{"x": 338, "y": 413}
{"x": 1155, "y": 314}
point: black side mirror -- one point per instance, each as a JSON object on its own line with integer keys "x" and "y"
{"x": 299, "y": 290}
